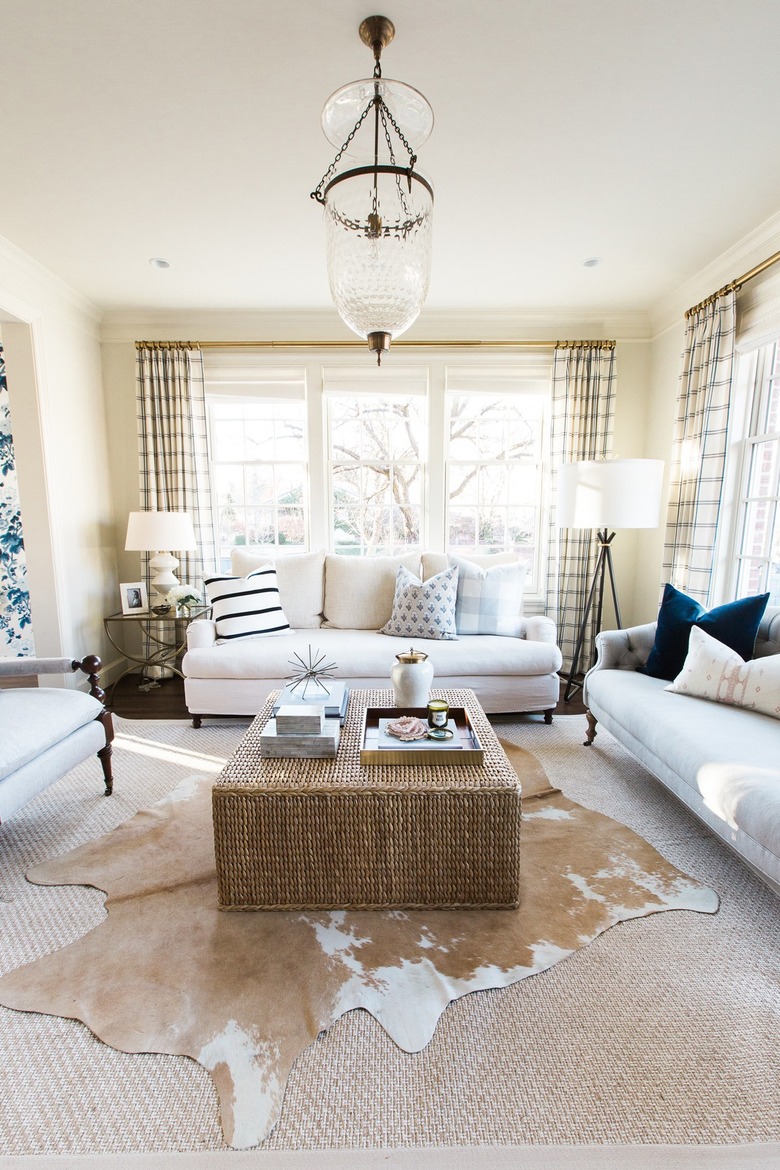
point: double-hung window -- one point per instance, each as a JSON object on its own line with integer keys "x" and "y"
{"x": 495, "y": 427}
{"x": 258, "y": 457}
{"x": 757, "y": 544}
{"x": 377, "y": 460}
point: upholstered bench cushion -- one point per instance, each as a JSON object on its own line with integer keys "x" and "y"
{"x": 33, "y": 719}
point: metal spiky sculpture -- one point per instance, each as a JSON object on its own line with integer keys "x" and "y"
{"x": 313, "y": 673}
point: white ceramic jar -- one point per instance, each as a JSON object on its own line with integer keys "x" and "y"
{"x": 411, "y": 677}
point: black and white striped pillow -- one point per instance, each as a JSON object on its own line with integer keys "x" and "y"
{"x": 247, "y": 607}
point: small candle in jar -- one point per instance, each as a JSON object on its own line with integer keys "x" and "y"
{"x": 438, "y": 712}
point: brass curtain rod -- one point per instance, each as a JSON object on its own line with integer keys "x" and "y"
{"x": 361, "y": 344}
{"x": 734, "y": 285}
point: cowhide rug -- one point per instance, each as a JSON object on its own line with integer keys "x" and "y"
{"x": 245, "y": 993}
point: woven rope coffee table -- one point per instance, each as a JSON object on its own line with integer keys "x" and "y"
{"x": 332, "y": 834}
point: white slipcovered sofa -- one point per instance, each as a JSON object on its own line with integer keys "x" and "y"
{"x": 336, "y": 605}
{"x": 46, "y": 731}
{"x": 722, "y": 761}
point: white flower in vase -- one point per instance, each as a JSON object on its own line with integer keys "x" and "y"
{"x": 183, "y": 596}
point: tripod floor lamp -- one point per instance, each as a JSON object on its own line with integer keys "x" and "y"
{"x": 606, "y": 494}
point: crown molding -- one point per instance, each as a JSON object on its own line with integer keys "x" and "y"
{"x": 27, "y": 289}
{"x": 324, "y": 325}
{"x": 752, "y": 249}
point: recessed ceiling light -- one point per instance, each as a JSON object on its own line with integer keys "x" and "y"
{"x": 592, "y": 262}
{"x": 159, "y": 262}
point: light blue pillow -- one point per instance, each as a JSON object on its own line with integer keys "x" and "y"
{"x": 423, "y": 610}
{"x": 489, "y": 600}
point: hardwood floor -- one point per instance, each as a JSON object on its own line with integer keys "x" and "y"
{"x": 166, "y": 701}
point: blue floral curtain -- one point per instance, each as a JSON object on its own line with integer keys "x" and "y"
{"x": 16, "y": 636}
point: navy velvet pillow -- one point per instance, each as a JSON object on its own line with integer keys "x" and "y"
{"x": 735, "y": 624}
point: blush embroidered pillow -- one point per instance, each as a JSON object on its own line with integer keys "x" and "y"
{"x": 713, "y": 671}
{"x": 424, "y": 610}
{"x": 247, "y": 607}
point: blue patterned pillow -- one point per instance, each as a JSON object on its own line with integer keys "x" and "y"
{"x": 424, "y": 610}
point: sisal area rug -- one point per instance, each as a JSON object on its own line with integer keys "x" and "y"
{"x": 164, "y": 964}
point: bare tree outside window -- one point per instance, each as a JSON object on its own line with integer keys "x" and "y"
{"x": 493, "y": 480}
{"x": 377, "y": 464}
{"x": 259, "y": 474}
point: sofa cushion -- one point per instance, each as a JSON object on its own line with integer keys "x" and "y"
{"x": 367, "y": 654}
{"x": 713, "y": 671}
{"x": 489, "y": 600}
{"x": 435, "y": 562}
{"x": 359, "y": 591}
{"x": 247, "y": 607}
{"x": 300, "y": 577}
{"x": 34, "y": 719}
{"x": 423, "y": 610}
{"x": 735, "y": 624}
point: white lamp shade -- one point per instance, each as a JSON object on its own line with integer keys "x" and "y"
{"x": 153, "y": 531}
{"x": 610, "y": 493}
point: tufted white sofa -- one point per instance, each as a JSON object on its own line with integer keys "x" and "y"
{"x": 336, "y": 605}
{"x": 723, "y": 762}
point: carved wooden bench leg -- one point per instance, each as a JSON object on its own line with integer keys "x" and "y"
{"x": 104, "y": 755}
{"x": 91, "y": 667}
{"x": 592, "y": 721}
{"x": 197, "y": 721}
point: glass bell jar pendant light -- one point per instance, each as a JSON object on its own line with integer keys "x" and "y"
{"x": 378, "y": 209}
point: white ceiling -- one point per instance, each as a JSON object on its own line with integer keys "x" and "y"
{"x": 641, "y": 131}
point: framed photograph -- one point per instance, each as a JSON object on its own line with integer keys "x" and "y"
{"x": 134, "y": 597}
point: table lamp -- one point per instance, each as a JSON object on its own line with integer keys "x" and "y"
{"x": 606, "y": 494}
{"x": 155, "y": 532}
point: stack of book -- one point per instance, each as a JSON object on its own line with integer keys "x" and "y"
{"x": 305, "y": 726}
{"x": 333, "y": 701}
{"x": 300, "y": 731}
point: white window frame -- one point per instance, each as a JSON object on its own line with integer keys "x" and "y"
{"x": 323, "y": 373}
{"x": 492, "y": 379}
{"x": 750, "y": 388}
{"x": 233, "y": 378}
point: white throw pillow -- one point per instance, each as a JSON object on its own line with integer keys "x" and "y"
{"x": 424, "y": 610}
{"x": 490, "y": 601}
{"x": 247, "y": 607}
{"x": 359, "y": 591}
{"x": 300, "y": 577}
{"x": 714, "y": 671}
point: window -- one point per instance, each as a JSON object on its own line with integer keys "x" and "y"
{"x": 377, "y": 448}
{"x": 494, "y": 486}
{"x": 258, "y": 462}
{"x": 758, "y": 527}
{"x": 364, "y": 461}
{"x": 496, "y": 423}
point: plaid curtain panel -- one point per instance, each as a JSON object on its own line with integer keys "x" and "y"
{"x": 581, "y": 424}
{"x": 172, "y": 451}
{"x": 699, "y": 448}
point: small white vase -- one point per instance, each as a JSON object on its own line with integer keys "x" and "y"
{"x": 411, "y": 677}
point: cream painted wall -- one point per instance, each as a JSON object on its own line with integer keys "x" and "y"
{"x": 56, "y": 393}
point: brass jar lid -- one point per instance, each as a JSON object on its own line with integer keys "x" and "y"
{"x": 412, "y": 655}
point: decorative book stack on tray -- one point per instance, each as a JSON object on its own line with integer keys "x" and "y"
{"x": 300, "y": 731}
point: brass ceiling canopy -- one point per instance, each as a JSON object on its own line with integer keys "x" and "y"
{"x": 378, "y": 211}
